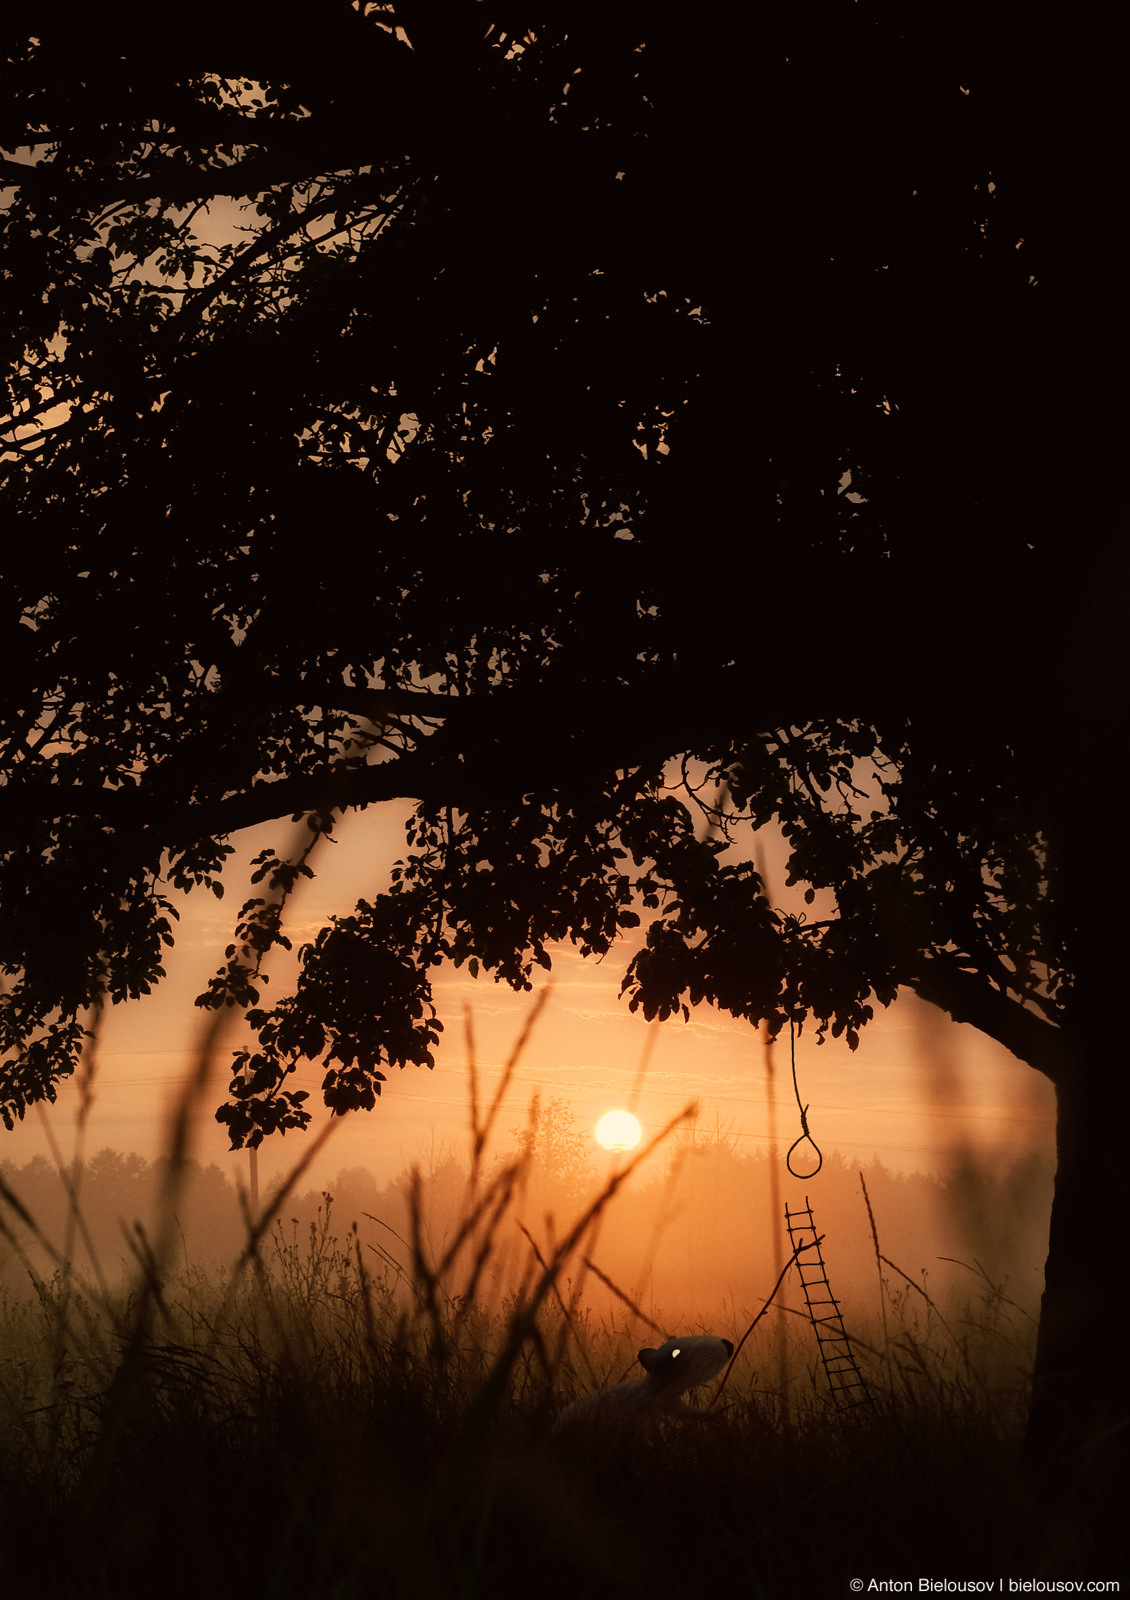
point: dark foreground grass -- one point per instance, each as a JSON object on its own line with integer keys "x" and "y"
{"x": 318, "y": 1427}
{"x": 297, "y": 1470}
{"x": 334, "y": 1421}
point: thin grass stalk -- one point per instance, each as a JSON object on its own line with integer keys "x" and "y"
{"x": 814, "y": 1242}
{"x": 882, "y": 1283}
{"x": 524, "y": 1316}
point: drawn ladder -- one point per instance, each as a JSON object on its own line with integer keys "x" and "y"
{"x": 844, "y": 1377}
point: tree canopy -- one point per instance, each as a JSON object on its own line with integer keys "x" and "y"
{"x": 577, "y": 421}
{"x": 488, "y": 413}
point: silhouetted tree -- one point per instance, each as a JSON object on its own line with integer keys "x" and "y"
{"x": 490, "y": 406}
{"x": 560, "y": 1164}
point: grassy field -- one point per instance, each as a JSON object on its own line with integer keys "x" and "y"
{"x": 328, "y": 1420}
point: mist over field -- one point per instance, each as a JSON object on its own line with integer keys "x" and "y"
{"x": 370, "y": 1372}
{"x": 695, "y": 1240}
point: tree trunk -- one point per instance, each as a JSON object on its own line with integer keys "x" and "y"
{"x": 1078, "y": 1439}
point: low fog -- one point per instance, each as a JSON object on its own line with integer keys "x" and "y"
{"x": 694, "y": 1240}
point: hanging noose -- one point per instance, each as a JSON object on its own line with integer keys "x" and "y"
{"x": 805, "y": 1136}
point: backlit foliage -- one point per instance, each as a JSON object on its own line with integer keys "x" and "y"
{"x": 516, "y": 413}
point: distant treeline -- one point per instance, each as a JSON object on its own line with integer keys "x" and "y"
{"x": 699, "y": 1241}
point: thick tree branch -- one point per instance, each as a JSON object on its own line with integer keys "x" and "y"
{"x": 968, "y": 998}
{"x": 507, "y": 743}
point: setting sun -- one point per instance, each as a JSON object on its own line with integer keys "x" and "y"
{"x": 618, "y": 1130}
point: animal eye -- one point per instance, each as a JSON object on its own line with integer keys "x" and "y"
{"x": 675, "y": 1353}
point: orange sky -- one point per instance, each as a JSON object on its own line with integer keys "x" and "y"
{"x": 918, "y": 1090}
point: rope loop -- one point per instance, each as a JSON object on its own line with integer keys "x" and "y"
{"x": 805, "y": 1136}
